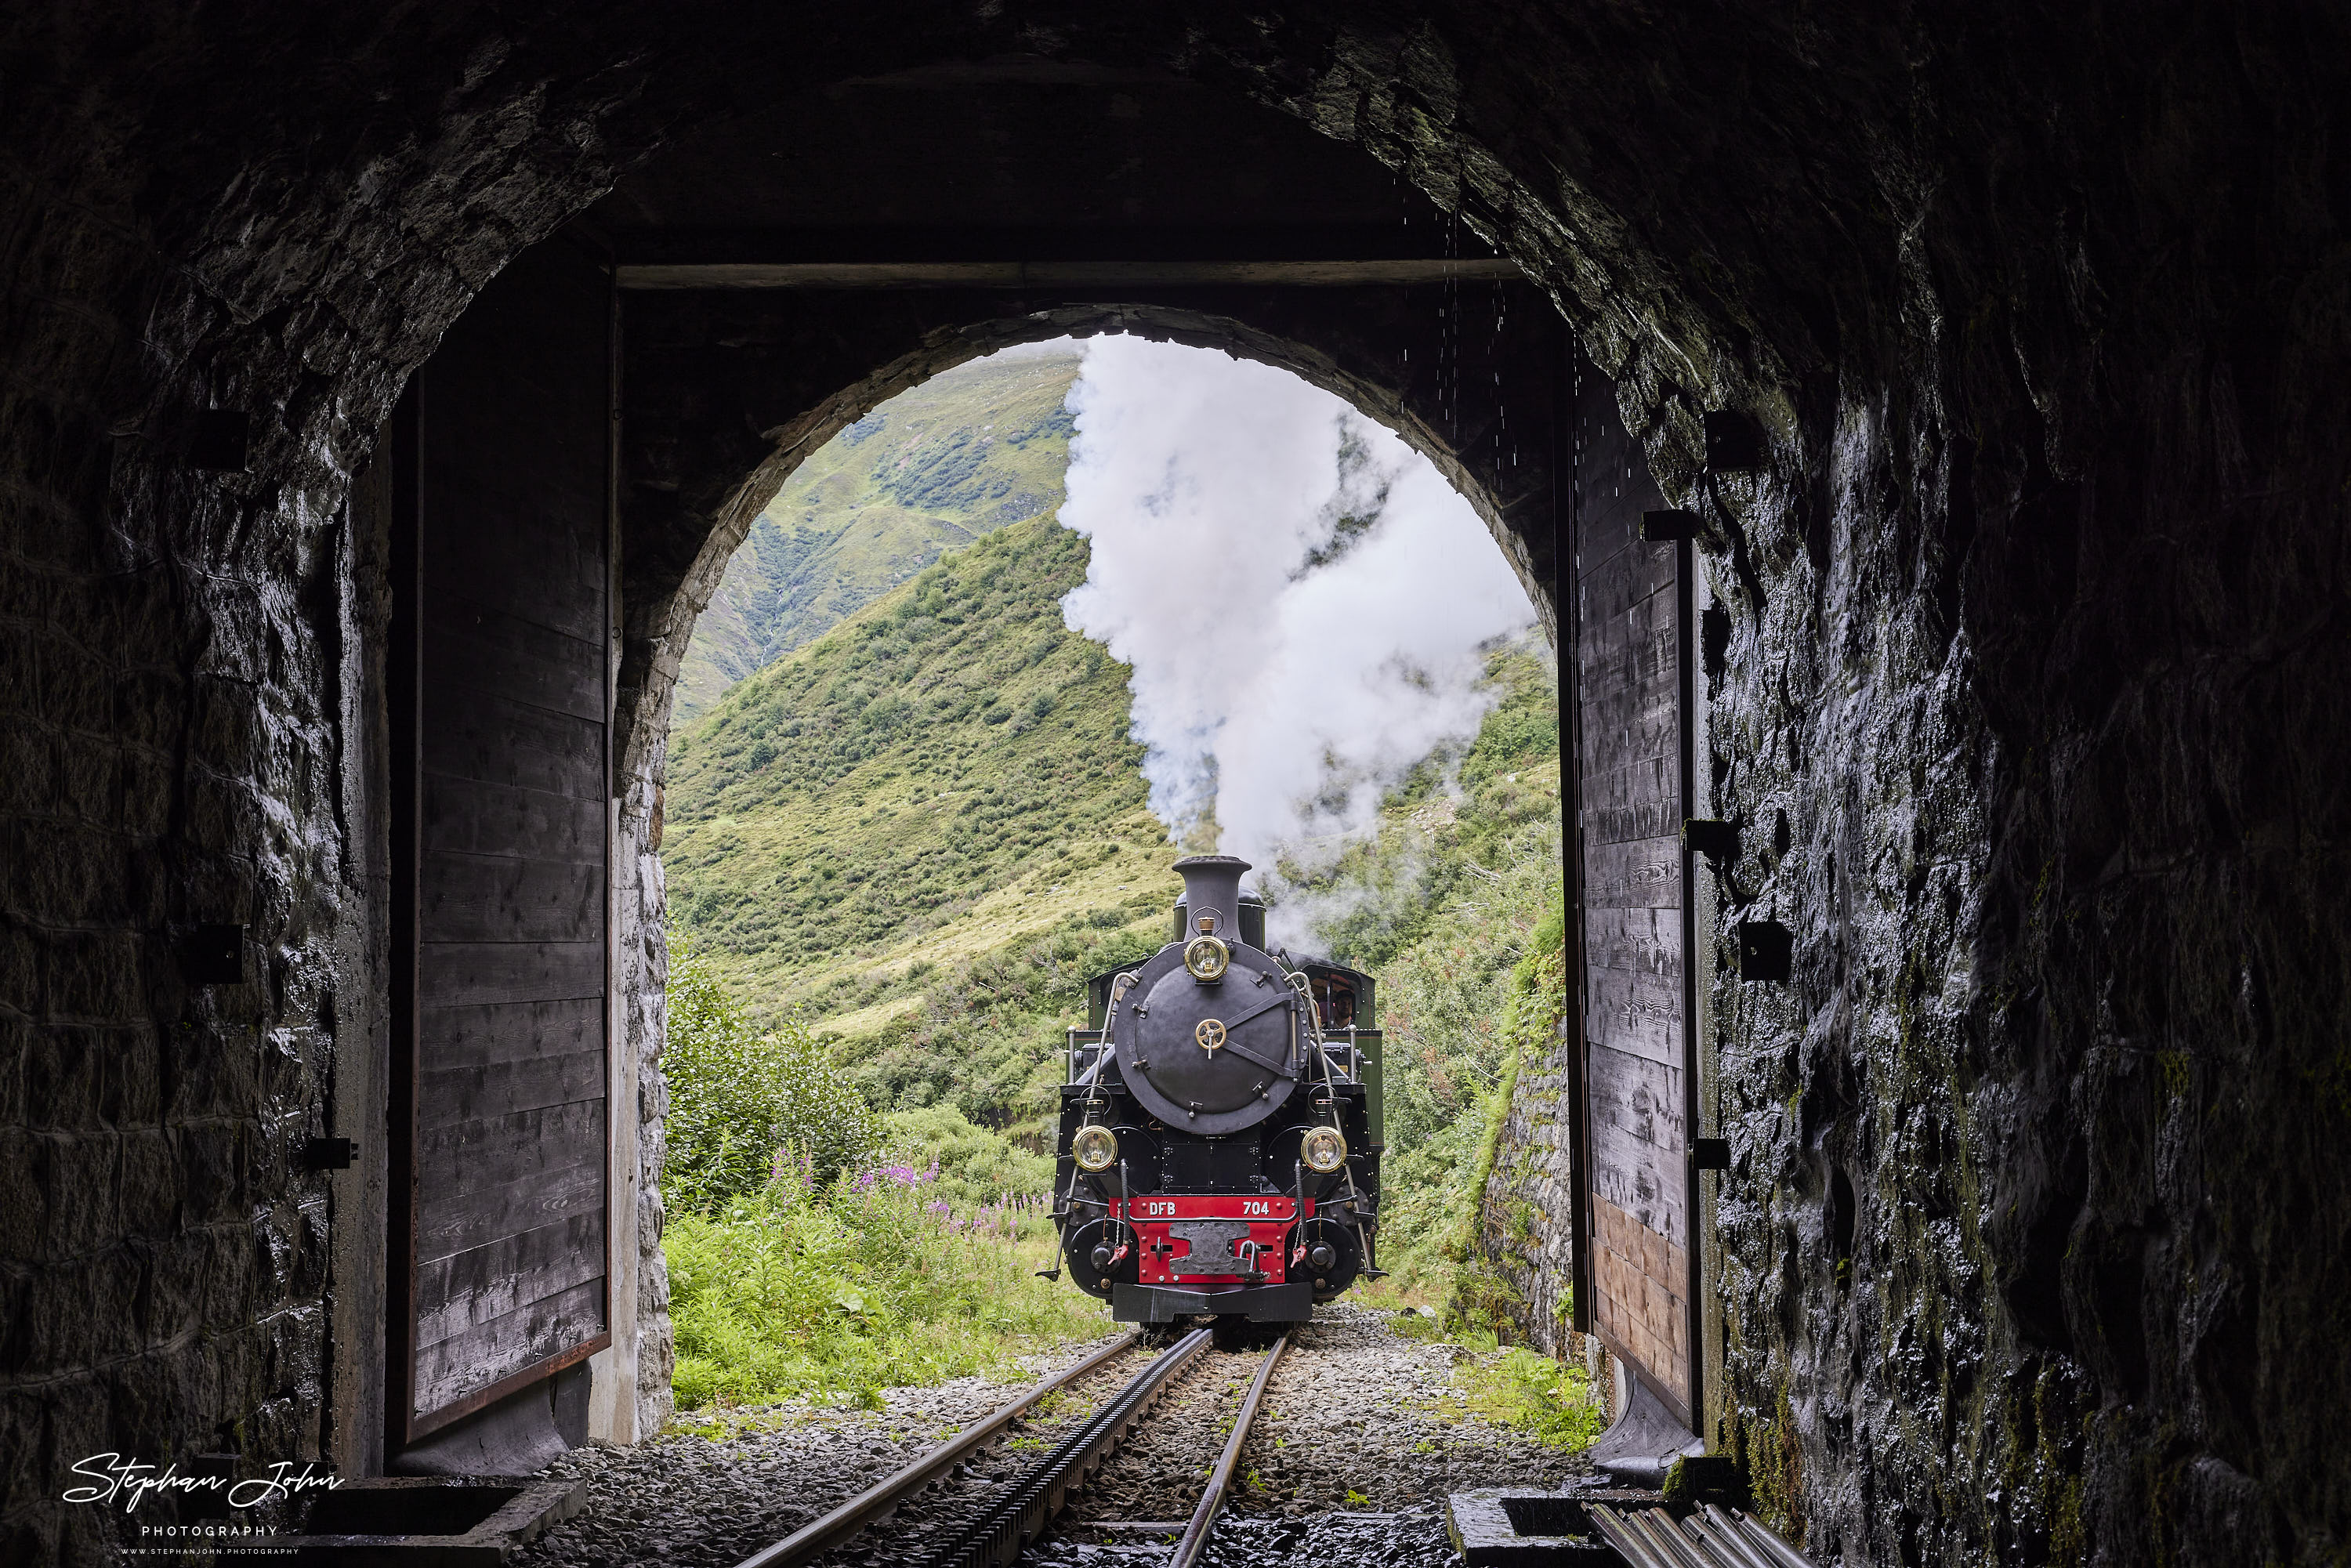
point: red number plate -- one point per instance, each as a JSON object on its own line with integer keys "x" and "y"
{"x": 1211, "y": 1205}
{"x": 1162, "y": 1251}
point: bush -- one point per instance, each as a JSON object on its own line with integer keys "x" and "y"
{"x": 839, "y": 1291}
{"x": 975, "y": 1166}
{"x": 737, "y": 1097}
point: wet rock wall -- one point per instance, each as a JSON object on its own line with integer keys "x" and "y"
{"x": 2027, "y": 690}
{"x": 1523, "y": 1268}
{"x": 201, "y": 351}
{"x": 2019, "y": 691}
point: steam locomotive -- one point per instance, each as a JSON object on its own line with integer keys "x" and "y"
{"x": 1220, "y": 1134}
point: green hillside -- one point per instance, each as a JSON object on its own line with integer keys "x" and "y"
{"x": 924, "y": 829}
{"x": 967, "y": 452}
{"x": 1455, "y": 904}
{"x": 940, "y": 786}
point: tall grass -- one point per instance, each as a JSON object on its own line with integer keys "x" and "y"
{"x": 1527, "y": 1391}
{"x": 836, "y": 1291}
{"x": 818, "y": 1250}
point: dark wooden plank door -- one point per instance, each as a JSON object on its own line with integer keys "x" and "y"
{"x": 1632, "y": 651}
{"x": 504, "y": 1232}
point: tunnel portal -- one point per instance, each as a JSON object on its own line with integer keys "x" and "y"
{"x": 1922, "y": 434}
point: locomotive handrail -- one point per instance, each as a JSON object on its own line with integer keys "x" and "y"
{"x": 877, "y": 1500}
{"x": 1084, "y": 1037}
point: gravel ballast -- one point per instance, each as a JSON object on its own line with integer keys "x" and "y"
{"x": 1355, "y": 1422}
{"x": 1356, "y": 1407}
{"x": 698, "y": 1501}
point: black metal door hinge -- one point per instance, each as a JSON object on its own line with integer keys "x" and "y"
{"x": 1716, "y": 841}
{"x": 1734, "y": 442}
{"x": 329, "y": 1154}
{"x": 212, "y": 956}
{"x": 220, "y": 440}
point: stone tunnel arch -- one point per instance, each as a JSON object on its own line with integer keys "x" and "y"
{"x": 1514, "y": 500}
{"x": 2032, "y": 646}
{"x": 691, "y": 468}
{"x": 710, "y": 484}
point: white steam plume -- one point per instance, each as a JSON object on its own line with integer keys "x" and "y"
{"x": 1303, "y": 599}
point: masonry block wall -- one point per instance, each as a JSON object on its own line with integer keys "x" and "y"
{"x": 1524, "y": 1272}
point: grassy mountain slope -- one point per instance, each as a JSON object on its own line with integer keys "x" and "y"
{"x": 933, "y": 789}
{"x": 925, "y": 829}
{"x": 965, "y": 454}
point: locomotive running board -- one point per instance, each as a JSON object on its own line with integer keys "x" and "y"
{"x": 1259, "y": 1304}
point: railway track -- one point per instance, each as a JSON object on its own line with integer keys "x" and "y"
{"x": 1020, "y": 1511}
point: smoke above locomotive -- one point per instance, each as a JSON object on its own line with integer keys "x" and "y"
{"x": 1220, "y": 1134}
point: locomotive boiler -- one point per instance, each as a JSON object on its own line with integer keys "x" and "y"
{"x": 1220, "y": 1133}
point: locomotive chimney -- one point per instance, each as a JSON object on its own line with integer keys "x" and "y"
{"x": 1212, "y": 885}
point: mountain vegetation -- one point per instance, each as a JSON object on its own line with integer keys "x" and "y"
{"x": 970, "y": 451}
{"x": 907, "y": 823}
{"x": 1456, "y": 906}
{"x": 920, "y": 834}
{"x": 924, "y": 830}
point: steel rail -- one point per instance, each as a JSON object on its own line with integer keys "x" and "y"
{"x": 1204, "y": 1518}
{"x": 1022, "y": 1508}
{"x": 1722, "y": 1532}
{"x": 1753, "y": 1532}
{"x": 877, "y": 1500}
{"x": 1655, "y": 1526}
{"x": 1658, "y": 1526}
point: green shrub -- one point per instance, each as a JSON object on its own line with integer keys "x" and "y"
{"x": 738, "y": 1096}
{"x": 1526, "y": 1390}
{"x": 839, "y": 1291}
{"x": 976, "y": 1167}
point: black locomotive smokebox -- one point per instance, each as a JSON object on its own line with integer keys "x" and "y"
{"x": 1212, "y": 1049}
{"x": 1216, "y": 1058}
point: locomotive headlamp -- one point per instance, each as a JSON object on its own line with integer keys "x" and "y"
{"x": 1205, "y": 957}
{"x": 1095, "y": 1148}
{"x": 1323, "y": 1149}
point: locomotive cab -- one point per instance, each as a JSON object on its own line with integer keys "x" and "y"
{"x": 1221, "y": 1123}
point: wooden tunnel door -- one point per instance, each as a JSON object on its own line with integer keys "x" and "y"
{"x": 1632, "y": 666}
{"x": 498, "y": 1223}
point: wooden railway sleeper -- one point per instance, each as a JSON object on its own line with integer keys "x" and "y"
{"x": 1022, "y": 1508}
{"x": 879, "y": 1501}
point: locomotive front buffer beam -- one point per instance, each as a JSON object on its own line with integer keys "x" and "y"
{"x": 1168, "y": 1304}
